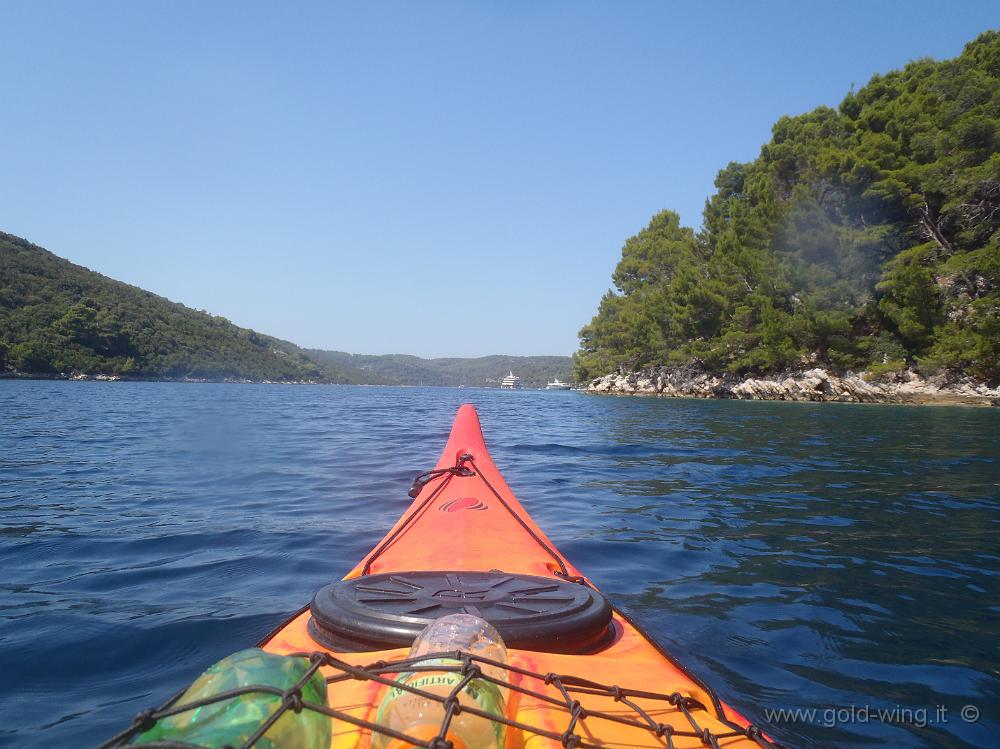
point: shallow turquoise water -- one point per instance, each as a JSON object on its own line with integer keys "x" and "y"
{"x": 835, "y": 558}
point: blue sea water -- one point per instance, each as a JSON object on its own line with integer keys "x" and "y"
{"x": 838, "y": 559}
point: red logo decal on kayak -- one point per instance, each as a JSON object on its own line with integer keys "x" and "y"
{"x": 462, "y": 503}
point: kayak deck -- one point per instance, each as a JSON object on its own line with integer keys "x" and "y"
{"x": 465, "y": 518}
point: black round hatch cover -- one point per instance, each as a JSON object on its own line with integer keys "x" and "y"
{"x": 376, "y": 612}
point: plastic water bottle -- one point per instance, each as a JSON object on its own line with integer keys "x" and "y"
{"x": 421, "y": 717}
{"x": 232, "y": 721}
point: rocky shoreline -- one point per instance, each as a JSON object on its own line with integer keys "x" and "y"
{"x": 817, "y": 385}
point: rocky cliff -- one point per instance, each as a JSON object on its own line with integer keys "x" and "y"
{"x": 809, "y": 385}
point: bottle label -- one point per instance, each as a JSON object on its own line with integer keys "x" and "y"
{"x": 485, "y": 694}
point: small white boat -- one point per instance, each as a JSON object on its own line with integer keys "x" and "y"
{"x": 557, "y": 385}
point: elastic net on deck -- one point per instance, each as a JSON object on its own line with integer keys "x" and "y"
{"x": 558, "y": 693}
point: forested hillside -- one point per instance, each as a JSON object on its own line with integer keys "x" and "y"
{"x": 862, "y": 238}
{"x": 57, "y": 317}
{"x": 484, "y": 371}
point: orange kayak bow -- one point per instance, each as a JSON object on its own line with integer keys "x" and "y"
{"x": 583, "y": 674}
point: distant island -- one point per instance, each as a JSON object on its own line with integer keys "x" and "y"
{"x": 60, "y": 320}
{"x": 862, "y": 247}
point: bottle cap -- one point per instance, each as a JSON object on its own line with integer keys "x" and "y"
{"x": 424, "y": 732}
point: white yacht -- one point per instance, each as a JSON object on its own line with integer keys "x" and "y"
{"x": 557, "y": 385}
{"x": 511, "y": 382}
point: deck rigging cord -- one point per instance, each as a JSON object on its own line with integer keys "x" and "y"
{"x": 460, "y": 469}
{"x": 560, "y": 693}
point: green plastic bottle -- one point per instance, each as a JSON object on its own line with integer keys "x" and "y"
{"x": 421, "y": 717}
{"x": 231, "y": 722}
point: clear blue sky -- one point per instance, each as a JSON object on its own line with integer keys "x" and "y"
{"x": 435, "y": 178}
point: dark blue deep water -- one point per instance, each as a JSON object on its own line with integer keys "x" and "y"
{"x": 836, "y": 558}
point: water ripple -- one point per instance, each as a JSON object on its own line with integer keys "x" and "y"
{"x": 794, "y": 555}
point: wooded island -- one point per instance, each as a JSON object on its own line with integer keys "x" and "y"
{"x": 864, "y": 238}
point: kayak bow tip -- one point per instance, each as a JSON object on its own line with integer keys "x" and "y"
{"x": 466, "y": 437}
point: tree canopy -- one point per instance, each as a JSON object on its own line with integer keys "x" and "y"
{"x": 57, "y": 317}
{"x": 866, "y": 236}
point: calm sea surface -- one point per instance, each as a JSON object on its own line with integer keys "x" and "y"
{"x": 836, "y": 558}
